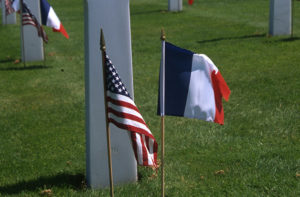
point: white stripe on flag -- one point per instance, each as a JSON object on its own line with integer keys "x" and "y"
{"x": 129, "y": 122}
{"x": 198, "y": 104}
{"x": 150, "y": 158}
{"x": 139, "y": 149}
{"x": 120, "y": 97}
{"x": 151, "y": 143}
{"x": 124, "y": 110}
{"x": 53, "y": 20}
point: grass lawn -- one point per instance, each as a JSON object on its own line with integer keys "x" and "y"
{"x": 255, "y": 153}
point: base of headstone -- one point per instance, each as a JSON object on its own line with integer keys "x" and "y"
{"x": 11, "y": 19}
{"x": 280, "y": 17}
{"x": 175, "y": 5}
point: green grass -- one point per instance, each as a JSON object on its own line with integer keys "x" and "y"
{"x": 42, "y": 117}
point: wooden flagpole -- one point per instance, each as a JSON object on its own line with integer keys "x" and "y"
{"x": 103, "y": 49}
{"x": 163, "y": 38}
{"x": 293, "y": 10}
{"x": 162, "y": 155}
{"x": 5, "y": 15}
{"x": 22, "y": 33}
{"x": 44, "y": 52}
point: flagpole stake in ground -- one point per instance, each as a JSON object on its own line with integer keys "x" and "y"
{"x": 103, "y": 49}
{"x": 163, "y": 38}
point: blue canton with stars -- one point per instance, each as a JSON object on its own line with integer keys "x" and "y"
{"x": 113, "y": 80}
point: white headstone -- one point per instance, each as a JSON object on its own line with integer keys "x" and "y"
{"x": 7, "y": 19}
{"x": 280, "y": 17}
{"x": 11, "y": 19}
{"x": 113, "y": 16}
{"x": 175, "y": 5}
{"x": 31, "y": 43}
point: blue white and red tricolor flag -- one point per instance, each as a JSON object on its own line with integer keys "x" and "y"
{"x": 15, "y": 5}
{"x": 50, "y": 19}
{"x": 192, "y": 86}
{"x": 123, "y": 113}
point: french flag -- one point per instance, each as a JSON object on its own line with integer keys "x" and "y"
{"x": 50, "y": 19}
{"x": 190, "y": 86}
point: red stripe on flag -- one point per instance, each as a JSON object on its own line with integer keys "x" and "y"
{"x": 147, "y": 142}
{"x": 61, "y": 30}
{"x": 155, "y": 148}
{"x": 126, "y": 116}
{"x": 145, "y": 155}
{"x": 220, "y": 90}
{"x": 130, "y": 128}
{"x": 122, "y": 103}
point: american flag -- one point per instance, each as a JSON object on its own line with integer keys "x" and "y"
{"x": 123, "y": 113}
{"x": 29, "y": 19}
{"x": 8, "y": 7}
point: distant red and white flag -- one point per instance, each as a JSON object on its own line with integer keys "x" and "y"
{"x": 50, "y": 19}
{"x": 8, "y": 7}
{"x": 191, "y": 2}
{"x": 29, "y": 19}
{"x": 123, "y": 113}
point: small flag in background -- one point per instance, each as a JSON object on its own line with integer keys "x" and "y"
{"x": 123, "y": 113}
{"x": 29, "y": 19}
{"x": 8, "y": 7}
{"x": 16, "y": 5}
{"x": 194, "y": 86}
{"x": 191, "y": 2}
{"x": 50, "y": 19}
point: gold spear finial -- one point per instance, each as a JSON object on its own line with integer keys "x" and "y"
{"x": 102, "y": 41}
{"x": 162, "y": 36}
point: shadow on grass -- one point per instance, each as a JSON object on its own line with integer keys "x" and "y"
{"x": 148, "y": 12}
{"x": 64, "y": 180}
{"x": 232, "y": 38}
{"x": 32, "y": 67}
{"x": 290, "y": 39}
{"x": 7, "y": 60}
